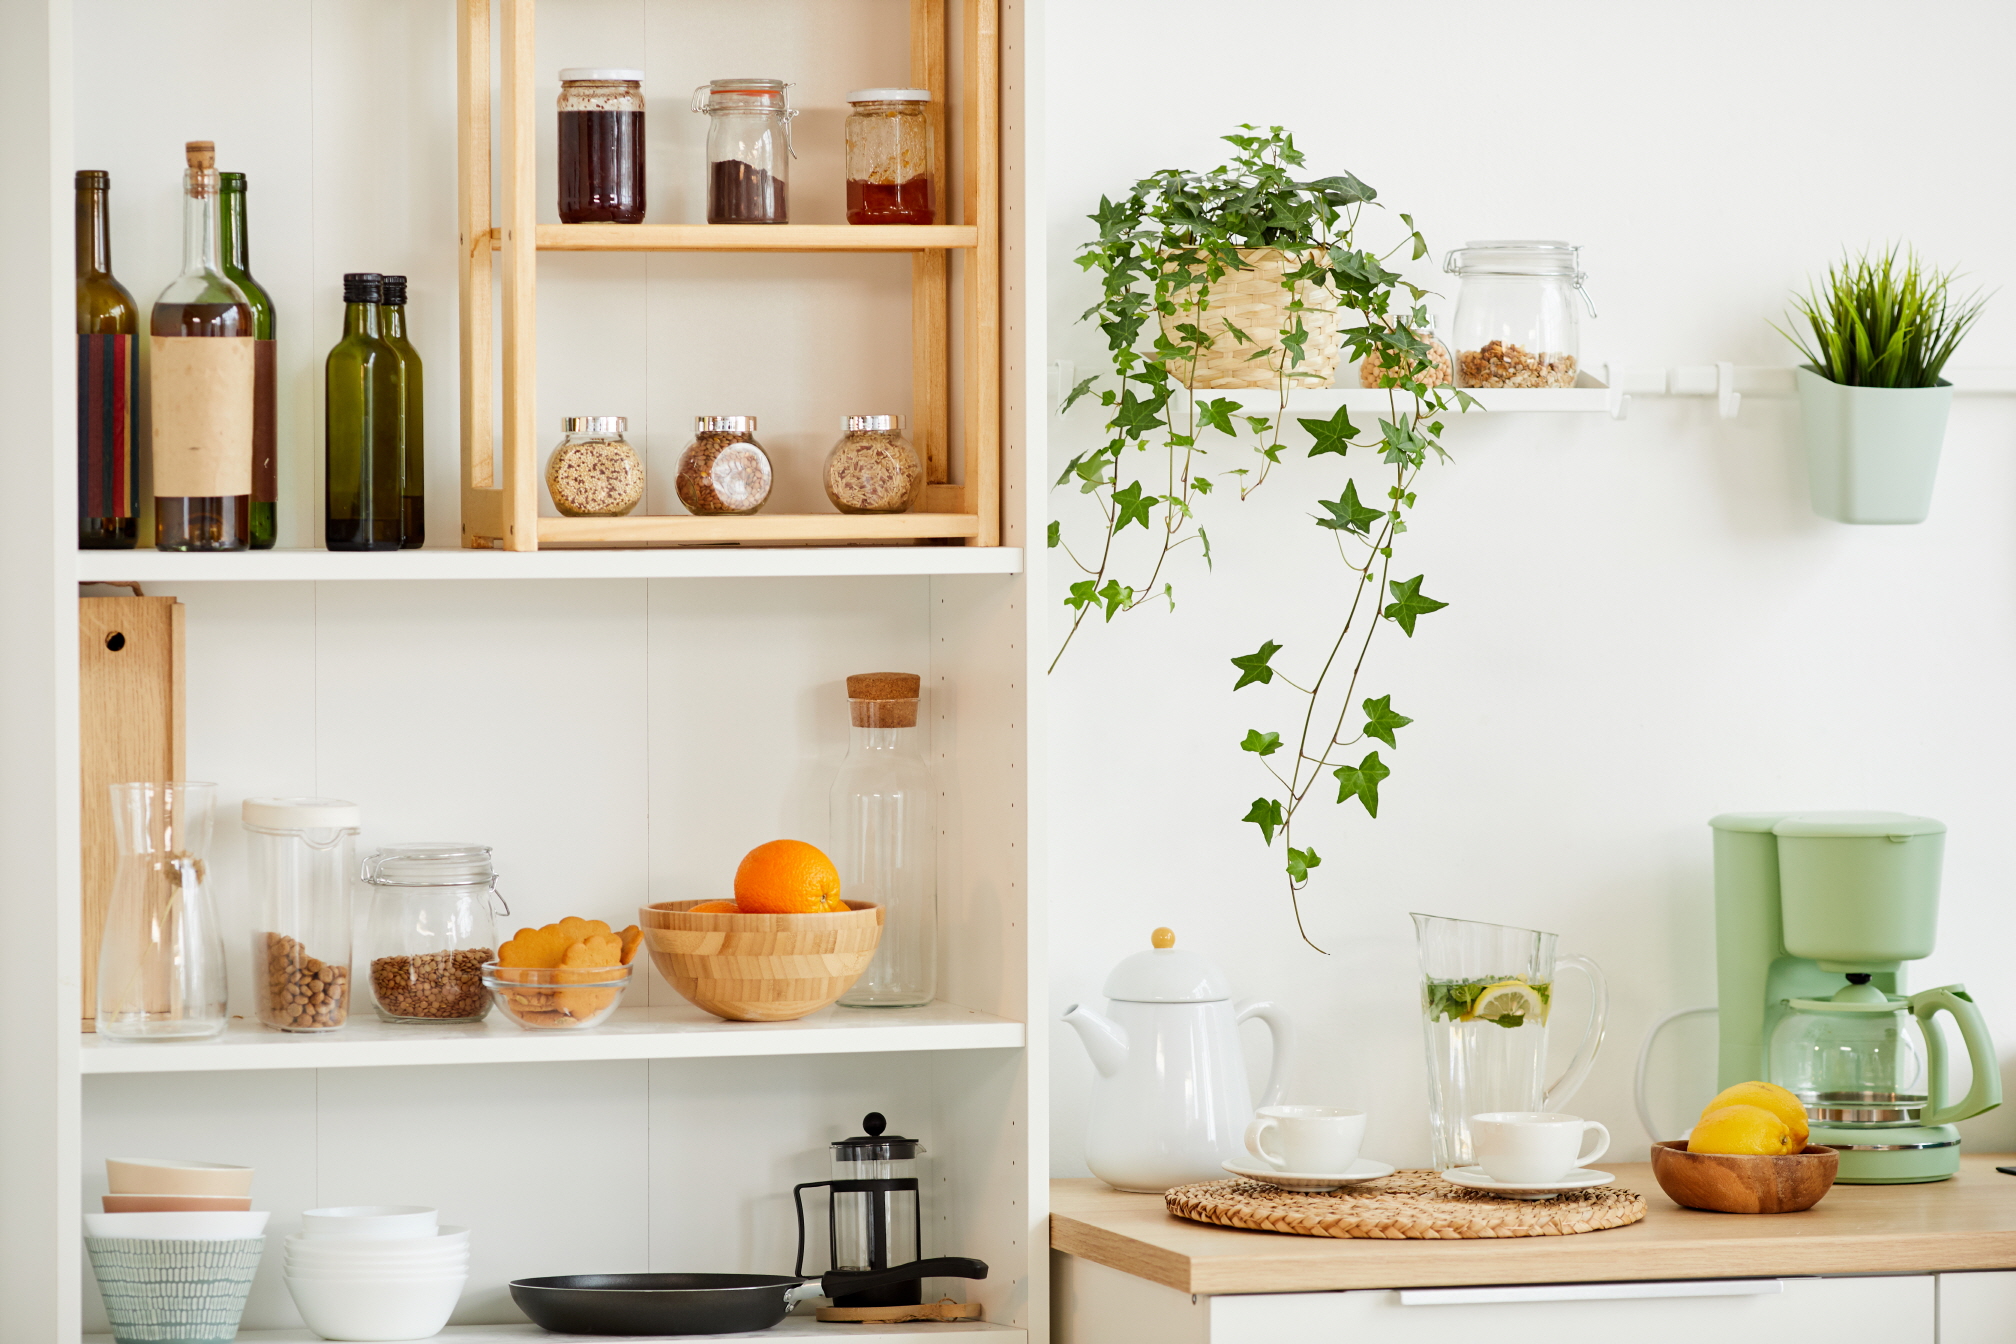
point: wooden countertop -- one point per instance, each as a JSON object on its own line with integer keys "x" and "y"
{"x": 1968, "y": 1222}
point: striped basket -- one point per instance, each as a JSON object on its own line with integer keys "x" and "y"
{"x": 1256, "y": 303}
{"x": 174, "y": 1292}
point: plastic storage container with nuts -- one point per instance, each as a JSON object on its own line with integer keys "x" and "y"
{"x": 594, "y": 473}
{"x": 302, "y": 860}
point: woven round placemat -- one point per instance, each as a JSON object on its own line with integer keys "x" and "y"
{"x": 1417, "y": 1205}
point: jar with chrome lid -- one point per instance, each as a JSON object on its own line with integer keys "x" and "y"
{"x": 873, "y": 468}
{"x": 1515, "y": 323}
{"x": 889, "y": 157}
{"x": 430, "y": 931}
{"x": 595, "y": 473}
{"x": 601, "y": 145}
{"x": 748, "y": 149}
{"x": 724, "y": 470}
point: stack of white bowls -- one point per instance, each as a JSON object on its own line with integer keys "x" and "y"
{"x": 376, "y": 1271}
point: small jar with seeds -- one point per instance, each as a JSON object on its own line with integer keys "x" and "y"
{"x": 430, "y": 931}
{"x": 594, "y": 473}
{"x": 873, "y": 468}
{"x": 724, "y": 470}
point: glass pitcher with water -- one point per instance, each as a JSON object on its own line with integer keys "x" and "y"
{"x": 1486, "y": 993}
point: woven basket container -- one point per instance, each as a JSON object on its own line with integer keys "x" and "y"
{"x": 1256, "y": 303}
{"x": 760, "y": 968}
{"x": 159, "y": 1291}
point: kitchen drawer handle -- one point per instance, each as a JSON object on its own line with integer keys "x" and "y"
{"x": 1587, "y": 1292}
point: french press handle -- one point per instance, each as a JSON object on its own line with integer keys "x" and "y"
{"x": 838, "y": 1188}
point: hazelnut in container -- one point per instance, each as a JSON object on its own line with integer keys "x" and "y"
{"x": 302, "y": 860}
{"x": 430, "y": 931}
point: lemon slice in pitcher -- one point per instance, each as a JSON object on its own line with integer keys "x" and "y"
{"x": 1510, "y": 1003}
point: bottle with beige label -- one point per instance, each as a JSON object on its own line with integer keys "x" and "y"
{"x": 202, "y": 384}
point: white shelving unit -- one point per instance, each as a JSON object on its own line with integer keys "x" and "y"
{"x": 314, "y": 566}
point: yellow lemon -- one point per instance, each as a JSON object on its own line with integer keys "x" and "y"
{"x": 1770, "y": 1097}
{"x": 1509, "y": 999}
{"x": 1750, "y": 1130}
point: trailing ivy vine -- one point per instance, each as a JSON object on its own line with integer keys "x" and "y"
{"x": 1160, "y": 251}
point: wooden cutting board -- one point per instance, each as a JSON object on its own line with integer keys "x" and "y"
{"x": 129, "y": 712}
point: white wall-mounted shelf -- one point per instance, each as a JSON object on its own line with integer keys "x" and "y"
{"x": 1588, "y": 394}
{"x": 674, "y": 1032}
{"x": 301, "y": 566}
{"x": 1729, "y": 383}
{"x": 791, "y": 1327}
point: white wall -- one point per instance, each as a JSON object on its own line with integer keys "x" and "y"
{"x": 1647, "y": 625}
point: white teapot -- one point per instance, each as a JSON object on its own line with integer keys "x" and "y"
{"x": 1171, "y": 1101}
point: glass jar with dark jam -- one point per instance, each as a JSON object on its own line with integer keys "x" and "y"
{"x": 601, "y": 146}
{"x": 748, "y": 149}
{"x": 889, "y": 157}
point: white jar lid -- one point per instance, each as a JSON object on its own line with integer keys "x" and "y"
{"x": 601, "y": 74}
{"x": 890, "y": 96}
{"x": 301, "y": 814}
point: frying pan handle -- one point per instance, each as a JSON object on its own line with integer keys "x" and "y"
{"x": 837, "y": 1281}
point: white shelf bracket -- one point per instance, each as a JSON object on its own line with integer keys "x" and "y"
{"x": 1727, "y": 398}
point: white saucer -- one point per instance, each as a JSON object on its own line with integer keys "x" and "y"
{"x": 1364, "y": 1169}
{"x": 1474, "y": 1178}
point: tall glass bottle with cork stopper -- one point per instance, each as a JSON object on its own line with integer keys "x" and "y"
{"x": 202, "y": 385}
{"x": 885, "y": 838}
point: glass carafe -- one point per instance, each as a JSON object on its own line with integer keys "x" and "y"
{"x": 1485, "y": 998}
{"x": 161, "y": 963}
{"x": 1866, "y": 1058}
{"x": 884, "y": 839}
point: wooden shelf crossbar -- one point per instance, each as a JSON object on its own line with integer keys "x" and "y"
{"x": 501, "y": 479}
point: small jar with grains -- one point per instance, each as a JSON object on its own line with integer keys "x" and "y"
{"x": 1515, "y": 313}
{"x": 594, "y": 473}
{"x": 431, "y": 929}
{"x": 724, "y": 470}
{"x": 873, "y": 468}
{"x": 301, "y": 858}
{"x": 1372, "y": 370}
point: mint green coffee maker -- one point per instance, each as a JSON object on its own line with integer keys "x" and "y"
{"x": 1815, "y": 915}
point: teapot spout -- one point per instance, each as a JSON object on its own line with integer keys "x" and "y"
{"x": 1105, "y": 1040}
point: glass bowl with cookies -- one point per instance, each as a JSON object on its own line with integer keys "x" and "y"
{"x": 566, "y": 976}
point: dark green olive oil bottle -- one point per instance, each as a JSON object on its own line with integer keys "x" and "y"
{"x": 361, "y": 417}
{"x": 413, "y": 417}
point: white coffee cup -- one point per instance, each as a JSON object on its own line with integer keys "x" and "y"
{"x": 1311, "y": 1140}
{"x": 1533, "y": 1147}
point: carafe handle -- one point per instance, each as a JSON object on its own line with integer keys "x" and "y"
{"x": 1572, "y": 1077}
{"x": 1283, "y": 1031}
{"x": 1986, "y": 1092}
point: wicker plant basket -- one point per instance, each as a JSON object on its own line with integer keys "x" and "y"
{"x": 1256, "y": 303}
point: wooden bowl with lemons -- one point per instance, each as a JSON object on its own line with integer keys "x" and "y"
{"x": 1747, "y": 1154}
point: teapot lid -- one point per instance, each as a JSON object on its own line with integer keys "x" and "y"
{"x": 1165, "y": 974}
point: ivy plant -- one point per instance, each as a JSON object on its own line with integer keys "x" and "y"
{"x": 1159, "y": 252}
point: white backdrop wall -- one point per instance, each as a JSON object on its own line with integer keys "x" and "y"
{"x": 1647, "y": 625}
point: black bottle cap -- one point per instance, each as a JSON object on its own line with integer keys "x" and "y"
{"x": 395, "y": 290}
{"x": 362, "y": 287}
{"x": 92, "y": 179}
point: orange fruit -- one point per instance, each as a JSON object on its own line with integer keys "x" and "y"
{"x": 714, "y": 908}
{"x": 787, "y": 877}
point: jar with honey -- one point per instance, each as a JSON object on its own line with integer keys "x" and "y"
{"x": 889, "y": 157}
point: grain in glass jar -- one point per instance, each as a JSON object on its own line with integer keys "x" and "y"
{"x": 601, "y": 146}
{"x": 889, "y": 157}
{"x": 430, "y": 931}
{"x": 873, "y": 468}
{"x": 724, "y": 470}
{"x": 748, "y": 149}
{"x": 594, "y": 473}
{"x": 1515, "y": 322}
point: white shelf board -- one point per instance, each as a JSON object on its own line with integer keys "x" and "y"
{"x": 791, "y": 1327}
{"x": 1587, "y": 395}
{"x": 447, "y": 562}
{"x": 674, "y": 1032}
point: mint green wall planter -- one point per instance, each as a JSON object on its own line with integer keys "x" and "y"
{"x": 174, "y": 1292}
{"x": 1872, "y": 453}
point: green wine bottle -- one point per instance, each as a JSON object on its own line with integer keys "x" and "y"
{"x": 265, "y": 429}
{"x": 108, "y": 382}
{"x": 413, "y": 418}
{"x": 361, "y": 414}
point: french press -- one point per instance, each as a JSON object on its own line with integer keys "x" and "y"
{"x": 872, "y": 1216}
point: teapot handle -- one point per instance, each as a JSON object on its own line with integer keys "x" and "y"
{"x": 1283, "y": 1032}
{"x": 1572, "y": 1077}
{"x": 1986, "y": 1092}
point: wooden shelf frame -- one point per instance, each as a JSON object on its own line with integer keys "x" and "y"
{"x": 501, "y": 479}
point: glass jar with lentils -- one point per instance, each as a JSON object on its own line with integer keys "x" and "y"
{"x": 724, "y": 470}
{"x": 430, "y": 931}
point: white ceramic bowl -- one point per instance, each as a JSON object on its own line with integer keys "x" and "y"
{"x": 167, "y": 1176}
{"x": 376, "y": 1276}
{"x": 371, "y": 1222}
{"x": 412, "y": 1309}
{"x": 434, "y": 1263}
{"x": 177, "y": 1226}
{"x": 353, "y": 1249}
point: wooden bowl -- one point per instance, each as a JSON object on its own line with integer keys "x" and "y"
{"x": 760, "y": 968}
{"x": 1737, "y": 1183}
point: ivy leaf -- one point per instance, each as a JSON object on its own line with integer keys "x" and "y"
{"x": 1261, "y": 744}
{"x": 1056, "y": 533}
{"x": 1084, "y": 386}
{"x": 1343, "y": 189}
{"x": 1347, "y": 513}
{"x": 1380, "y": 720}
{"x": 1409, "y": 603}
{"x": 1253, "y": 666}
{"x": 1403, "y": 445}
{"x": 1083, "y": 592}
{"x": 1115, "y": 597}
{"x": 1361, "y": 781}
{"x": 1136, "y": 417}
{"x": 1259, "y": 424}
{"x": 1131, "y": 506}
{"x": 1267, "y": 815}
{"x": 1331, "y": 436}
{"x": 1300, "y": 861}
{"x": 1217, "y": 414}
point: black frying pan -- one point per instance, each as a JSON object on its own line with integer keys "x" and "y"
{"x": 703, "y": 1304}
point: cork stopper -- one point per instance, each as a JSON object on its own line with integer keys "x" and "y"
{"x": 883, "y": 699}
{"x": 202, "y": 159}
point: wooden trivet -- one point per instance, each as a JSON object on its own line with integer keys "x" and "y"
{"x": 944, "y": 1309}
{"x": 1407, "y": 1204}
